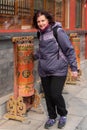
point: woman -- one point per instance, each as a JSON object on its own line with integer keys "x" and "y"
{"x": 53, "y": 65}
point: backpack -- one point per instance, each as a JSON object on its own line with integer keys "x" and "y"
{"x": 55, "y": 35}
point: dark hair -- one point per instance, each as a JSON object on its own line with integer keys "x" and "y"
{"x": 46, "y": 14}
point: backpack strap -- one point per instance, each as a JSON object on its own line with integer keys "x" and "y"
{"x": 38, "y": 34}
{"x": 55, "y": 35}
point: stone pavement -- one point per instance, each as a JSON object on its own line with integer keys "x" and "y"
{"x": 76, "y": 102}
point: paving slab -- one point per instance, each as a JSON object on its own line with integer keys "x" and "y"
{"x": 83, "y": 124}
{"x": 33, "y": 122}
{"x": 15, "y": 125}
{"x": 71, "y": 91}
{"x": 77, "y": 106}
{"x": 82, "y": 94}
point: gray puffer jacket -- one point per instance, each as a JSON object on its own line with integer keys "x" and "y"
{"x": 52, "y": 59}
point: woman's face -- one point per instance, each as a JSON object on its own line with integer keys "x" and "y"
{"x": 42, "y": 22}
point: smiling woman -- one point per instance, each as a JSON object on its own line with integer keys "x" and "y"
{"x": 52, "y": 66}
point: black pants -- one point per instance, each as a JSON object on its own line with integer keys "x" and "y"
{"x": 53, "y": 86}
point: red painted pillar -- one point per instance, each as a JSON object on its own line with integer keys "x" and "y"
{"x": 86, "y": 30}
{"x": 72, "y": 14}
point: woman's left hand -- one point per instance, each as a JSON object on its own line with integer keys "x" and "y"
{"x": 74, "y": 74}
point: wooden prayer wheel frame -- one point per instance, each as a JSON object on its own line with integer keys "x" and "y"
{"x": 18, "y": 105}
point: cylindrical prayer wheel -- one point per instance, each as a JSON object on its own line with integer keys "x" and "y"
{"x": 76, "y": 44}
{"x": 25, "y": 95}
{"x": 24, "y": 65}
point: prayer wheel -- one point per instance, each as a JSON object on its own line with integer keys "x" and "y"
{"x": 76, "y": 44}
{"x": 25, "y": 95}
{"x": 23, "y": 66}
